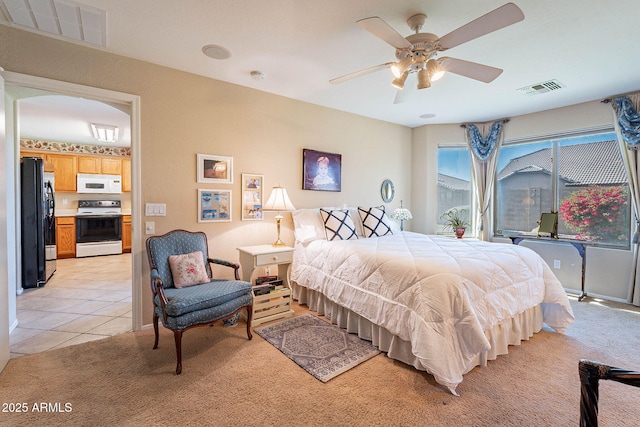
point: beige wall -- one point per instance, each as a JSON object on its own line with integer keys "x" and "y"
{"x": 183, "y": 114}
{"x": 426, "y": 140}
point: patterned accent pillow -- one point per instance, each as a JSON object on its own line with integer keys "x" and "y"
{"x": 338, "y": 225}
{"x": 188, "y": 269}
{"x": 375, "y": 222}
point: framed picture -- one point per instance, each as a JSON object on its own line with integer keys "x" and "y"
{"x": 215, "y": 169}
{"x": 321, "y": 171}
{"x": 252, "y": 197}
{"x": 548, "y": 224}
{"x": 214, "y": 205}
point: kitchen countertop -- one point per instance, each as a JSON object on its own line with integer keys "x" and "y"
{"x": 66, "y": 212}
{"x": 74, "y": 212}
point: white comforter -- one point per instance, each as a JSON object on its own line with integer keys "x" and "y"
{"x": 438, "y": 293}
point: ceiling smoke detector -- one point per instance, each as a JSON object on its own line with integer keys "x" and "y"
{"x": 543, "y": 87}
{"x": 257, "y": 75}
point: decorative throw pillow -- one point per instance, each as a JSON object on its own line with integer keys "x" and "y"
{"x": 375, "y": 222}
{"x": 188, "y": 269}
{"x": 338, "y": 225}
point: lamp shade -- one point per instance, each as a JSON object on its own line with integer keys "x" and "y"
{"x": 423, "y": 79}
{"x": 435, "y": 72}
{"x": 278, "y": 201}
{"x": 402, "y": 214}
{"x": 398, "y": 83}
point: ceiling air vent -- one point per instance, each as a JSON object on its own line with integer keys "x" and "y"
{"x": 65, "y": 18}
{"x": 543, "y": 87}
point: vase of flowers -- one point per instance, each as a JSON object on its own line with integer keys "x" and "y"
{"x": 456, "y": 220}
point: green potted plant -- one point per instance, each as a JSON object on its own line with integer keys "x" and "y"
{"x": 456, "y": 220}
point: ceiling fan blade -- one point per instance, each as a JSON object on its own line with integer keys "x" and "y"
{"x": 473, "y": 70}
{"x": 384, "y": 31}
{"x": 501, "y": 17}
{"x": 409, "y": 91}
{"x": 360, "y": 73}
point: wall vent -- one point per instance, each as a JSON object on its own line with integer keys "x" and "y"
{"x": 543, "y": 87}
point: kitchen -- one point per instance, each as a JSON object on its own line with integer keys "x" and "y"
{"x": 85, "y": 291}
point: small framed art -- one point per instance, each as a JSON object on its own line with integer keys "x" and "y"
{"x": 321, "y": 171}
{"x": 252, "y": 197}
{"x": 215, "y": 169}
{"x": 214, "y": 205}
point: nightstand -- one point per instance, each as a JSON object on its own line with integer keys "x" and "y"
{"x": 277, "y": 303}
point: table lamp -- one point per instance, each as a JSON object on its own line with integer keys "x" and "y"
{"x": 278, "y": 201}
{"x": 402, "y": 214}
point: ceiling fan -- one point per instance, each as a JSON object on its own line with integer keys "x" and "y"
{"x": 417, "y": 52}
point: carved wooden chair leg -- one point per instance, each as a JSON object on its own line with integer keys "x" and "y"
{"x": 155, "y": 328}
{"x": 178, "y": 338}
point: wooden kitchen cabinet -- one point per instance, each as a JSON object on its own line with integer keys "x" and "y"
{"x": 66, "y": 168}
{"x": 111, "y": 166}
{"x": 89, "y": 164}
{"x": 66, "y": 237}
{"x": 100, "y": 165}
{"x": 126, "y": 233}
{"x": 48, "y": 166}
{"x": 126, "y": 175}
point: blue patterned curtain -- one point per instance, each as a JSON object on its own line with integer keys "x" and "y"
{"x": 628, "y": 121}
{"x": 483, "y": 149}
{"x": 485, "y": 140}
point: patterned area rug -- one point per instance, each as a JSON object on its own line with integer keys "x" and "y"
{"x": 320, "y": 348}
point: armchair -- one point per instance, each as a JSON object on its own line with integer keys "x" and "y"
{"x": 182, "y": 306}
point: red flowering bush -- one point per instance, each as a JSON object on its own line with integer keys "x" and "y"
{"x": 597, "y": 213}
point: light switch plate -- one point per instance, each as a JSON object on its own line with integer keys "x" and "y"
{"x": 155, "y": 209}
{"x": 150, "y": 227}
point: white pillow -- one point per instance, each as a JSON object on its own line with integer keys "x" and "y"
{"x": 308, "y": 225}
{"x": 338, "y": 225}
{"x": 375, "y": 222}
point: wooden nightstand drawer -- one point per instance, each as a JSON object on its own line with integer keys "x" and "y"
{"x": 274, "y": 258}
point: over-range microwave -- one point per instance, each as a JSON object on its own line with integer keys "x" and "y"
{"x": 97, "y": 183}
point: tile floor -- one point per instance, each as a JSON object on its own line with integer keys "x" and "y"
{"x": 86, "y": 299}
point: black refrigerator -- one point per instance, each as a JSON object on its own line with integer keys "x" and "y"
{"x": 38, "y": 224}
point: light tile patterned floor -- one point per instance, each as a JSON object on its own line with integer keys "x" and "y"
{"x": 86, "y": 299}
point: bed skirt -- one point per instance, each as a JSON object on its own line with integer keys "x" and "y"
{"x": 509, "y": 332}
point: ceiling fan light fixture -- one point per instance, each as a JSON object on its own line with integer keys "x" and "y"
{"x": 423, "y": 79}
{"x": 398, "y": 68}
{"x": 435, "y": 72}
{"x": 398, "y": 82}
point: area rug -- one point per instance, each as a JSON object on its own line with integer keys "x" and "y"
{"x": 320, "y": 348}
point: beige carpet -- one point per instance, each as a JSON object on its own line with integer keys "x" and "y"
{"x": 228, "y": 380}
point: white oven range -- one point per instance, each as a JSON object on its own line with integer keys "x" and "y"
{"x": 98, "y": 228}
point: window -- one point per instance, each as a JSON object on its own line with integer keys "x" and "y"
{"x": 582, "y": 178}
{"x": 454, "y": 183}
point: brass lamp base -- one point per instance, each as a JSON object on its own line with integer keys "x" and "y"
{"x": 278, "y": 243}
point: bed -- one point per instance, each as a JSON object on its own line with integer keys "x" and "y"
{"x": 440, "y": 304}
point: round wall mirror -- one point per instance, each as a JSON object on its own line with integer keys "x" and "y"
{"x": 387, "y": 191}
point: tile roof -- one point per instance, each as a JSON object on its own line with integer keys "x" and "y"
{"x": 452, "y": 183}
{"x": 580, "y": 164}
